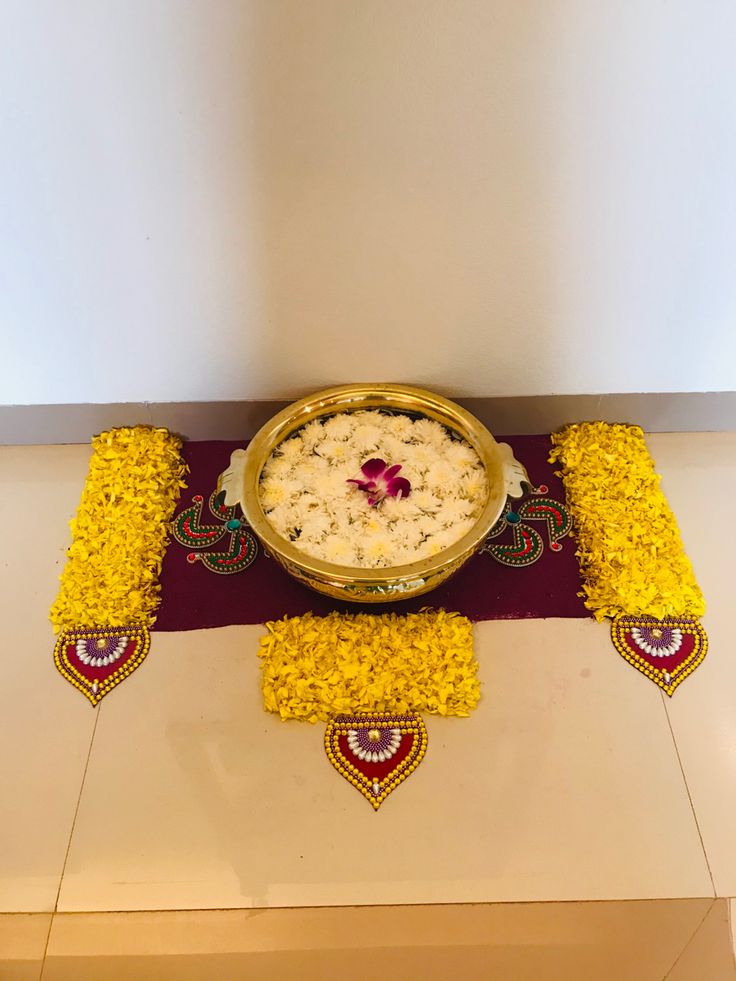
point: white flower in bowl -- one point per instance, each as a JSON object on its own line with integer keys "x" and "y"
{"x": 370, "y": 489}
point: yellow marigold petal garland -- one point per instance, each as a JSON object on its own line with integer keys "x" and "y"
{"x": 316, "y": 667}
{"x": 631, "y": 554}
{"x": 120, "y": 530}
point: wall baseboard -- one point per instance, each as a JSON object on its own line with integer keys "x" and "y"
{"x": 657, "y": 412}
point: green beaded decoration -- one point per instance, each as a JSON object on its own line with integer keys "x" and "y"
{"x": 188, "y": 530}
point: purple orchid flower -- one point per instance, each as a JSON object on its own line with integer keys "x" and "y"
{"x": 381, "y": 481}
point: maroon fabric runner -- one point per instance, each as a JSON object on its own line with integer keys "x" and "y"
{"x": 193, "y": 597}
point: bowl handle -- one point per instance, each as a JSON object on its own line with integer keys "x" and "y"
{"x": 515, "y": 476}
{"x": 231, "y": 480}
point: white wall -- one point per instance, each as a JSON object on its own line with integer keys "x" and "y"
{"x": 214, "y": 199}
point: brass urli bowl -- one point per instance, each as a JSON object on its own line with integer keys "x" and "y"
{"x": 241, "y": 485}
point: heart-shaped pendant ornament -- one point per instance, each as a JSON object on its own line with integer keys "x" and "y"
{"x": 96, "y": 659}
{"x": 666, "y": 651}
{"x": 375, "y": 752}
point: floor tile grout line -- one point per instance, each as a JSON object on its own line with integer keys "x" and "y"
{"x": 689, "y": 795}
{"x": 76, "y": 809}
{"x": 689, "y": 941}
{"x": 691, "y": 937}
{"x": 155, "y": 910}
{"x": 729, "y": 918}
{"x": 69, "y": 842}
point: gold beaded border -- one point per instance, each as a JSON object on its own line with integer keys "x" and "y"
{"x": 69, "y": 636}
{"x": 339, "y": 726}
{"x": 623, "y": 624}
{"x": 196, "y": 506}
{"x": 208, "y": 559}
{"x": 508, "y": 554}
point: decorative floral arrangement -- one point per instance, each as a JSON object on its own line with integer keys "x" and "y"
{"x": 334, "y": 489}
{"x": 317, "y": 667}
{"x": 631, "y": 554}
{"x": 379, "y": 481}
{"x": 121, "y": 529}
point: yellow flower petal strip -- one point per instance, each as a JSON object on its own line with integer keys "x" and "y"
{"x": 316, "y": 667}
{"x": 119, "y": 534}
{"x": 631, "y": 554}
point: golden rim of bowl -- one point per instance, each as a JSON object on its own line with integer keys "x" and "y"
{"x": 350, "y": 398}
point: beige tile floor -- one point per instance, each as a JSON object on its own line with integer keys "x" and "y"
{"x": 575, "y": 780}
{"x": 699, "y": 478}
{"x": 196, "y": 799}
{"x": 499, "y": 942}
{"x": 45, "y": 738}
